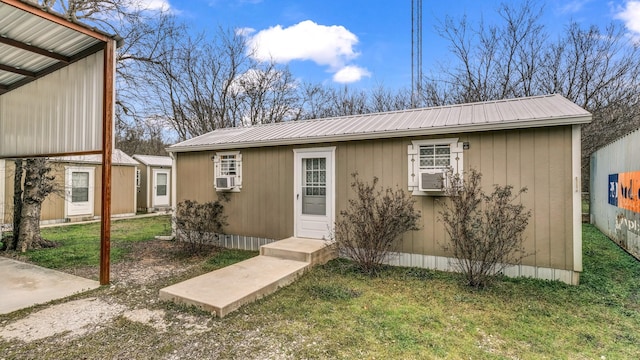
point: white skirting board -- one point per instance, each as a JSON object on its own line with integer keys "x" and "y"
{"x": 448, "y": 264}
{"x": 422, "y": 261}
{"x": 242, "y": 242}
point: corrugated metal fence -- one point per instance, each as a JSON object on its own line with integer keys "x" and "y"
{"x": 615, "y": 191}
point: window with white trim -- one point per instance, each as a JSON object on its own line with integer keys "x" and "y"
{"x": 429, "y": 161}
{"x": 434, "y": 156}
{"x": 227, "y": 171}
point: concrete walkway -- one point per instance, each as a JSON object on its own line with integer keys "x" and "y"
{"x": 225, "y": 290}
{"x": 23, "y": 285}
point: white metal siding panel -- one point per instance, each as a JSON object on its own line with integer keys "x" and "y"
{"x": 621, "y": 225}
{"x": 59, "y": 113}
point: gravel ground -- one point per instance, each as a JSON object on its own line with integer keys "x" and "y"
{"x": 126, "y": 321}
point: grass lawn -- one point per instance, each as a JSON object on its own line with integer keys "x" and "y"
{"x": 414, "y": 313}
{"x": 80, "y": 244}
{"x": 333, "y": 312}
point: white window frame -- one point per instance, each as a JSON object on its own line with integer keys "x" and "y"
{"x": 219, "y": 171}
{"x": 413, "y": 152}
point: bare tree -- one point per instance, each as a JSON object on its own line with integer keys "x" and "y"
{"x": 597, "y": 69}
{"x": 203, "y": 84}
{"x": 323, "y": 101}
{"x": 143, "y": 137}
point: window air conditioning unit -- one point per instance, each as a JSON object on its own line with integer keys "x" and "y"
{"x": 225, "y": 182}
{"x": 432, "y": 181}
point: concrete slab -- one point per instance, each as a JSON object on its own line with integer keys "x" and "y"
{"x": 23, "y": 285}
{"x": 225, "y": 290}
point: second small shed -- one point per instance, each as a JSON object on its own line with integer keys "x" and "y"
{"x": 154, "y": 183}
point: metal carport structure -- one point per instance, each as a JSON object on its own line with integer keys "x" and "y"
{"x": 57, "y": 89}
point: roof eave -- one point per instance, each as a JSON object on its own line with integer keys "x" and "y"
{"x": 534, "y": 123}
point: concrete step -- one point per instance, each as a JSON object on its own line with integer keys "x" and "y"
{"x": 312, "y": 251}
{"x": 225, "y": 290}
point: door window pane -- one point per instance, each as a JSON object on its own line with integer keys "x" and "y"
{"x": 79, "y": 187}
{"x": 314, "y": 185}
{"x": 161, "y": 184}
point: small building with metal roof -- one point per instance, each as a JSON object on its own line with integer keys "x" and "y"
{"x": 154, "y": 183}
{"x": 57, "y": 89}
{"x": 76, "y": 196}
{"x": 293, "y": 178}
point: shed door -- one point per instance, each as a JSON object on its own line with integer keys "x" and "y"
{"x": 79, "y": 191}
{"x": 314, "y": 192}
{"x": 160, "y": 187}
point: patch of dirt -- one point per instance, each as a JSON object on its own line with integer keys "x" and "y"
{"x": 127, "y": 320}
{"x": 145, "y": 263}
{"x": 73, "y": 318}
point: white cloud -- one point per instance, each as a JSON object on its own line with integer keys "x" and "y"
{"x": 630, "y": 14}
{"x": 349, "y": 74}
{"x": 246, "y": 32}
{"x": 157, "y": 4}
{"x": 151, "y": 5}
{"x": 331, "y": 46}
{"x": 573, "y": 6}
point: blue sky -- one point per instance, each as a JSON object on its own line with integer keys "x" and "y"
{"x": 365, "y": 43}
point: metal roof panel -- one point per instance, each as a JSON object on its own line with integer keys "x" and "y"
{"x": 153, "y": 160}
{"x": 534, "y": 111}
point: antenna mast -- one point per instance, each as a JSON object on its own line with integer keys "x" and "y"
{"x": 416, "y": 53}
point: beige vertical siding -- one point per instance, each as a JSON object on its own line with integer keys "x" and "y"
{"x": 122, "y": 190}
{"x": 8, "y": 191}
{"x": 539, "y": 159}
{"x": 264, "y": 207}
{"x": 142, "y": 190}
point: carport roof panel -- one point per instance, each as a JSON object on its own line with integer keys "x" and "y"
{"x": 34, "y": 42}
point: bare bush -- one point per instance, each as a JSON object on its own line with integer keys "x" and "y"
{"x": 370, "y": 229}
{"x": 198, "y": 226}
{"x": 485, "y": 231}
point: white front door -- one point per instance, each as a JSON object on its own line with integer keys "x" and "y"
{"x": 79, "y": 191}
{"x": 160, "y": 188}
{"x": 314, "y": 192}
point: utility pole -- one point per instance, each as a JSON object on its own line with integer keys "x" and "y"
{"x": 416, "y": 53}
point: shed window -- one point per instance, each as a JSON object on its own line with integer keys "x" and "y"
{"x": 435, "y": 156}
{"x": 228, "y": 165}
{"x": 428, "y": 162}
{"x": 228, "y": 171}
